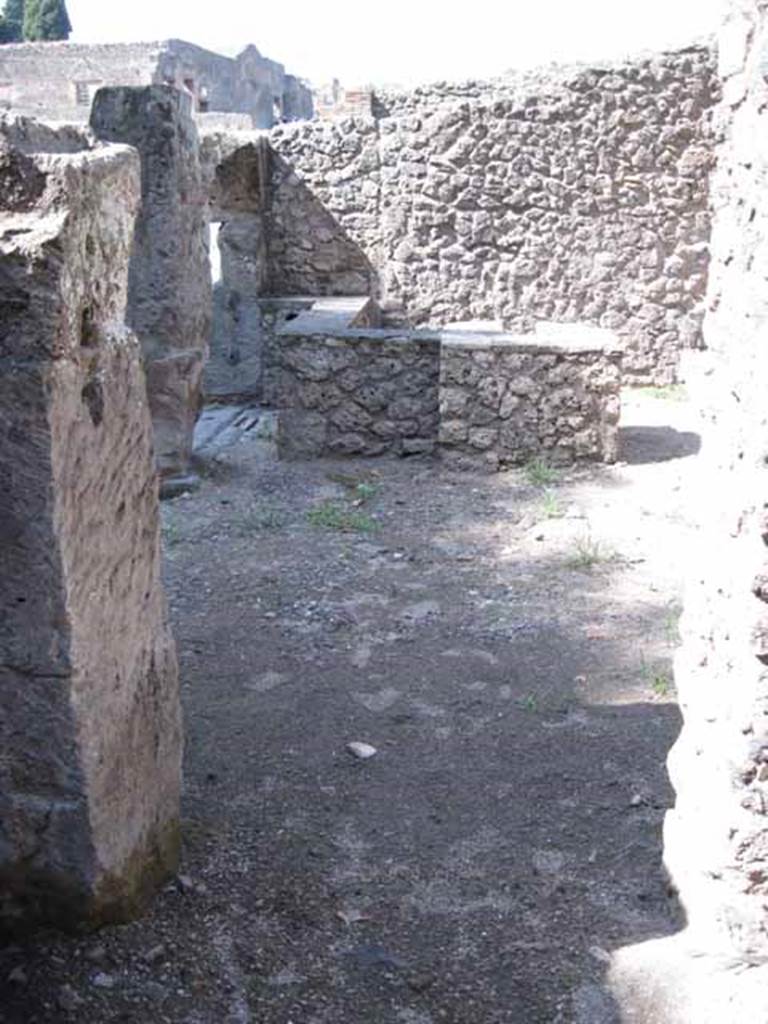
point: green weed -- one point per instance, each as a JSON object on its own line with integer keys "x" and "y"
{"x": 171, "y": 533}
{"x": 258, "y": 518}
{"x": 587, "y": 553}
{"x": 670, "y": 393}
{"x": 331, "y": 515}
{"x": 662, "y": 685}
{"x": 539, "y": 473}
{"x": 551, "y": 507}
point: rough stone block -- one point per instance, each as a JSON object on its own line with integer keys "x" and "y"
{"x": 169, "y": 293}
{"x": 327, "y": 417}
{"x": 555, "y": 391}
{"x": 90, "y": 731}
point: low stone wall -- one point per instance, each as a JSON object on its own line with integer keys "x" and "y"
{"x": 507, "y": 398}
{"x": 358, "y": 392}
{"x": 484, "y": 398}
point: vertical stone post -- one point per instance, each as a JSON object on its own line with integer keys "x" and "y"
{"x": 237, "y": 174}
{"x": 90, "y": 732}
{"x": 169, "y": 292}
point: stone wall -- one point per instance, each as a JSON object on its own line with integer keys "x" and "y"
{"x": 484, "y": 399}
{"x": 505, "y": 399}
{"x": 30, "y": 136}
{"x": 58, "y": 80}
{"x": 90, "y": 738}
{"x": 716, "y": 837}
{"x": 576, "y": 195}
{"x": 356, "y": 392}
{"x": 169, "y": 293}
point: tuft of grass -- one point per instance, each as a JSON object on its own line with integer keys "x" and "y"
{"x": 333, "y": 516}
{"x": 662, "y": 684}
{"x": 660, "y": 681}
{"x": 669, "y": 393}
{"x": 551, "y": 507}
{"x": 171, "y": 533}
{"x": 258, "y": 518}
{"x": 365, "y": 492}
{"x": 539, "y": 473}
{"x": 672, "y": 624}
{"x": 528, "y": 703}
{"x": 587, "y": 553}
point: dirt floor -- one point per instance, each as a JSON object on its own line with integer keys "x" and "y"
{"x": 504, "y": 642}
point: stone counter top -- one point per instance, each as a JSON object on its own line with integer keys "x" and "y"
{"x": 549, "y": 338}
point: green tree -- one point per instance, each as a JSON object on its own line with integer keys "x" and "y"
{"x": 46, "y": 19}
{"x": 13, "y": 21}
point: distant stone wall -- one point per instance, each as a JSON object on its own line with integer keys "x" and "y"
{"x": 30, "y": 136}
{"x": 505, "y": 399}
{"x": 576, "y": 195}
{"x": 358, "y": 392}
{"x": 323, "y": 211}
{"x": 58, "y": 80}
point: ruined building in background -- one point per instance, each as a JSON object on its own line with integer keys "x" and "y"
{"x": 58, "y": 81}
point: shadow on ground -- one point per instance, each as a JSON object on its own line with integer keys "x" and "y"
{"x": 639, "y": 445}
{"x": 502, "y": 842}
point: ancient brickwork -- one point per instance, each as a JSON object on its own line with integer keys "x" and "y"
{"x": 579, "y": 195}
{"x": 357, "y": 392}
{"x": 505, "y": 399}
{"x": 30, "y": 136}
{"x": 90, "y": 737}
{"x": 169, "y": 296}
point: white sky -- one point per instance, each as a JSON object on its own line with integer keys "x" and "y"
{"x": 404, "y": 41}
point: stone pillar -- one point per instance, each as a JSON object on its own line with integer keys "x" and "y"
{"x": 236, "y": 169}
{"x": 716, "y": 837}
{"x": 235, "y": 370}
{"x": 169, "y": 293}
{"x": 90, "y": 733}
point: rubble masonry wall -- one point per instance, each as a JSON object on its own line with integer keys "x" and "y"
{"x": 576, "y": 195}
